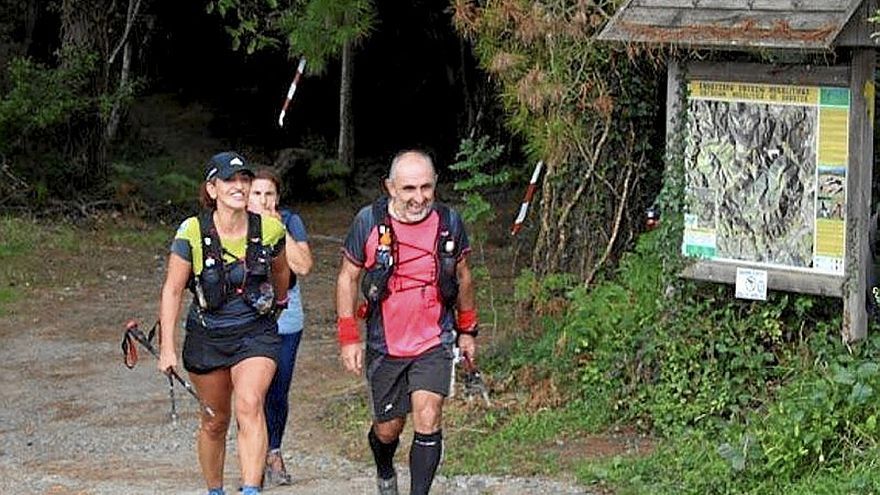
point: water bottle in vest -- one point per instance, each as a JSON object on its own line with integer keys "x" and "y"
{"x": 383, "y": 250}
{"x": 448, "y": 282}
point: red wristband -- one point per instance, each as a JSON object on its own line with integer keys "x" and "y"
{"x": 467, "y": 320}
{"x": 347, "y": 330}
{"x": 362, "y": 310}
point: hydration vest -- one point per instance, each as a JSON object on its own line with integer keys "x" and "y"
{"x": 374, "y": 285}
{"x": 212, "y": 289}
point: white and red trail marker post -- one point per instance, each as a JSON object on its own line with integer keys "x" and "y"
{"x": 524, "y": 207}
{"x": 290, "y": 91}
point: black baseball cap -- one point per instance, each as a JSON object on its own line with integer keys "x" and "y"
{"x": 226, "y": 164}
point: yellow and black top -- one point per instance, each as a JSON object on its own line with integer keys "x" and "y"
{"x": 235, "y": 312}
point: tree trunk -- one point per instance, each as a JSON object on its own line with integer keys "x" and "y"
{"x": 84, "y": 29}
{"x": 470, "y": 103}
{"x": 78, "y": 27}
{"x": 588, "y": 213}
{"x": 125, "y": 72}
{"x": 117, "y": 111}
{"x": 32, "y": 13}
{"x": 345, "y": 152}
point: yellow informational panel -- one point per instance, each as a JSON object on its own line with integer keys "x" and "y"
{"x": 766, "y": 172}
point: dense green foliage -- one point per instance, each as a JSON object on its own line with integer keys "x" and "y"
{"x": 815, "y": 432}
{"x": 479, "y": 176}
{"x": 66, "y": 86}
{"x": 45, "y": 116}
{"x": 586, "y": 109}
{"x": 314, "y": 29}
{"x": 673, "y": 357}
{"x": 743, "y": 397}
{"x": 475, "y": 158}
{"x": 330, "y": 177}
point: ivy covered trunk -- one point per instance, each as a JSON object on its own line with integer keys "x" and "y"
{"x": 588, "y": 110}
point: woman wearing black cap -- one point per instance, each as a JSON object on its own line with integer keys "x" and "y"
{"x": 234, "y": 264}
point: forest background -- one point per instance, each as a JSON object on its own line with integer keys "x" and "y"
{"x": 597, "y": 334}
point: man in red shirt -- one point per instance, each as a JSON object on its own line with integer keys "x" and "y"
{"x": 419, "y": 298}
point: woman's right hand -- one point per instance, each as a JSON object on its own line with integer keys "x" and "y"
{"x": 271, "y": 210}
{"x": 167, "y": 361}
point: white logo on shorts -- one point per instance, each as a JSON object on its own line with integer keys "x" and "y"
{"x": 388, "y": 407}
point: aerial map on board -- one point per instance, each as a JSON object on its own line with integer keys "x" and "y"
{"x": 766, "y": 174}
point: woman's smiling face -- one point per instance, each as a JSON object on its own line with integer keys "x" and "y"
{"x": 233, "y": 193}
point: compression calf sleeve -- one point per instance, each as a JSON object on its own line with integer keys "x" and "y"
{"x": 424, "y": 457}
{"x": 383, "y": 453}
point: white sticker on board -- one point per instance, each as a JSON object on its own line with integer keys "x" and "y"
{"x": 751, "y": 284}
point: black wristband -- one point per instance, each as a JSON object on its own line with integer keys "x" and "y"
{"x": 472, "y": 332}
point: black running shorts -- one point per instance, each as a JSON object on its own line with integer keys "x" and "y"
{"x": 207, "y": 350}
{"x": 391, "y": 380}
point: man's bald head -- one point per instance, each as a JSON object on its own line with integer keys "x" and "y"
{"x": 410, "y": 183}
{"x": 410, "y": 158}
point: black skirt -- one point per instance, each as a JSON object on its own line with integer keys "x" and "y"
{"x": 206, "y": 350}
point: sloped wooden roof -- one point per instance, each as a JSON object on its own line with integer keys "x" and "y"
{"x": 805, "y": 24}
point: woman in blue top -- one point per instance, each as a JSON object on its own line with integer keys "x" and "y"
{"x": 264, "y": 197}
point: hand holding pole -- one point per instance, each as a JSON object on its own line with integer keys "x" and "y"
{"x": 134, "y": 334}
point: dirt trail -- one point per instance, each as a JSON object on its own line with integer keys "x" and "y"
{"x": 74, "y": 420}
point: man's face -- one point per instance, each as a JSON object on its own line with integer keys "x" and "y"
{"x": 412, "y": 188}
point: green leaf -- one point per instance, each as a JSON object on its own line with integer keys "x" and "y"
{"x": 860, "y": 393}
{"x": 733, "y": 456}
{"x": 867, "y": 370}
{"x": 843, "y": 375}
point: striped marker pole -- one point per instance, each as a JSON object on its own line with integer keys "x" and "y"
{"x": 524, "y": 207}
{"x": 299, "y": 72}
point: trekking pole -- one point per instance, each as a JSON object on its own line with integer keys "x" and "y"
{"x": 473, "y": 381}
{"x": 173, "y": 414}
{"x": 130, "y": 358}
{"x": 456, "y": 358}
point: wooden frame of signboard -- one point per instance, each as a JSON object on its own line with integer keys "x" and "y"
{"x": 858, "y": 78}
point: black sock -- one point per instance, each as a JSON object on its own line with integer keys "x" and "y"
{"x": 424, "y": 457}
{"x": 383, "y": 453}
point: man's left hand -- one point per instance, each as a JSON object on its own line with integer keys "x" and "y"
{"x": 468, "y": 345}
